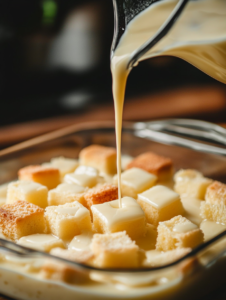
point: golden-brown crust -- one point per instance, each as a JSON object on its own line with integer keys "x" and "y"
{"x": 96, "y": 151}
{"x": 151, "y": 163}
{"x": 101, "y": 194}
{"x": 216, "y": 193}
{"x": 29, "y": 171}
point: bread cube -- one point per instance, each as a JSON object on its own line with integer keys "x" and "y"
{"x": 50, "y": 177}
{"x": 160, "y": 204}
{"x": 134, "y": 181}
{"x": 109, "y": 217}
{"x": 101, "y": 194}
{"x": 214, "y": 208}
{"x": 21, "y": 218}
{"x": 178, "y": 232}
{"x": 84, "y": 176}
{"x": 68, "y": 220}
{"x": 156, "y": 258}
{"x": 211, "y": 229}
{"x": 155, "y": 164}
{"x": 191, "y": 183}
{"x": 100, "y": 157}
{"x": 29, "y": 191}
{"x": 115, "y": 250}
{"x": 41, "y": 242}
{"x": 66, "y": 193}
{"x": 64, "y": 165}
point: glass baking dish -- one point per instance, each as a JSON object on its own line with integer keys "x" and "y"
{"x": 191, "y": 276}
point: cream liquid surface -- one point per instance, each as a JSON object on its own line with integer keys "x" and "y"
{"x": 198, "y": 36}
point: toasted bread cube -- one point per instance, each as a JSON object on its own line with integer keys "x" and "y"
{"x": 192, "y": 209}
{"x": 101, "y": 194}
{"x": 155, "y": 164}
{"x": 21, "y": 218}
{"x": 109, "y": 217}
{"x": 41, "y": 242}
{"x": 100, "y": 157}
{"x": 50, "y": 177}
{"x": 66, "y": 193}
{"x": 211, "y": 229}
{"x": 191, "y": 183}
{"x": 214, "y": 208}
{"x": 156, "y": 258}
{"x": 64, "y": 165}
{"x": 178, "y": 232}
{"x": 160, "y": 204}
{"x": 29, "y": 191}
{"x": 115, "y": 250}
{"x": 134, "y": 181}
{"x": 68, "y": 220}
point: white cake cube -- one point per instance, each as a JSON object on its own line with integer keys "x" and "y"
{"x": 29, "y": 191}
{"x": 65, "y": 165}
{"x": 135, "y": 181}
{"x": 159, "y": 203}
{"x": 66, "y": 193}
{"x": 109, "y": 217}
{"x": 41, "y": 242}
{"x": 84, "y": 176}
{"x": 68, "y": 220}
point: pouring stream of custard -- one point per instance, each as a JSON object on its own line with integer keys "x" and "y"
{"x": 198, "y": 36}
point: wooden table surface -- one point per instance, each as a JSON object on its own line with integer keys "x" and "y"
{"x": 202, "y": 102}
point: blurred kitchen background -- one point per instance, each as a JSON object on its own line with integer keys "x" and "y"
{"x": 55, "y": 71}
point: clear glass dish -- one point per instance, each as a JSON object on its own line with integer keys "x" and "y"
{"x": 192, "y": 276}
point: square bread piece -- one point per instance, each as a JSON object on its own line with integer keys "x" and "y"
{"x": 155, "y": 164}
{"x": 101, "y": 194}
{"x": 66, "y": 193}
{"x": 41, "y": 242}
{"x": 64, "y": 165}
{"x": 191, "y": 183}
{"x": 100, "y": 157}
{"x": 135, "y": 181}
{"x": 159, "y": 203}
{"x": 21, "y": 218}
{"x": 50, "y": 177}
{"x": 178, "y": 232}
{"x": 115, "y": 250}
{"x": 68, "y": 220}
{"x": 29, "y": 191}
{"x": 109, "y": 217}
{"x": 214, "y": 208}
{"x": 84, "y": 176}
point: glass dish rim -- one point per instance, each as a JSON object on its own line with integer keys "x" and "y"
{"x": 22, "y": 251}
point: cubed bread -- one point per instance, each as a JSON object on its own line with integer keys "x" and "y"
{"x": 178, "y": 232}
{"x": 159, "y": 203}
{"x": 100, "y": 157}
{"x": 64, "y": 165}
{"x": 84, "y": 176}
{"x": 214, "y": 208}
{"x": 21, "y": 218}
{"x": 66, "y": 193}
{"x": 68, "y": 220}
{"x": 41, "y": 242}
{"x": 115, "y": 250}
{"x": 157, "y": 258}
{"x": 109, "y": 217}
{"x": 191, "y": 183}
{"x": 50, "y": 177}
{"x": 134, "y": 181}
{"x": 29, "y": 191}
{"x": 101, "y": 194}
{"x": 155, "y": 164}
